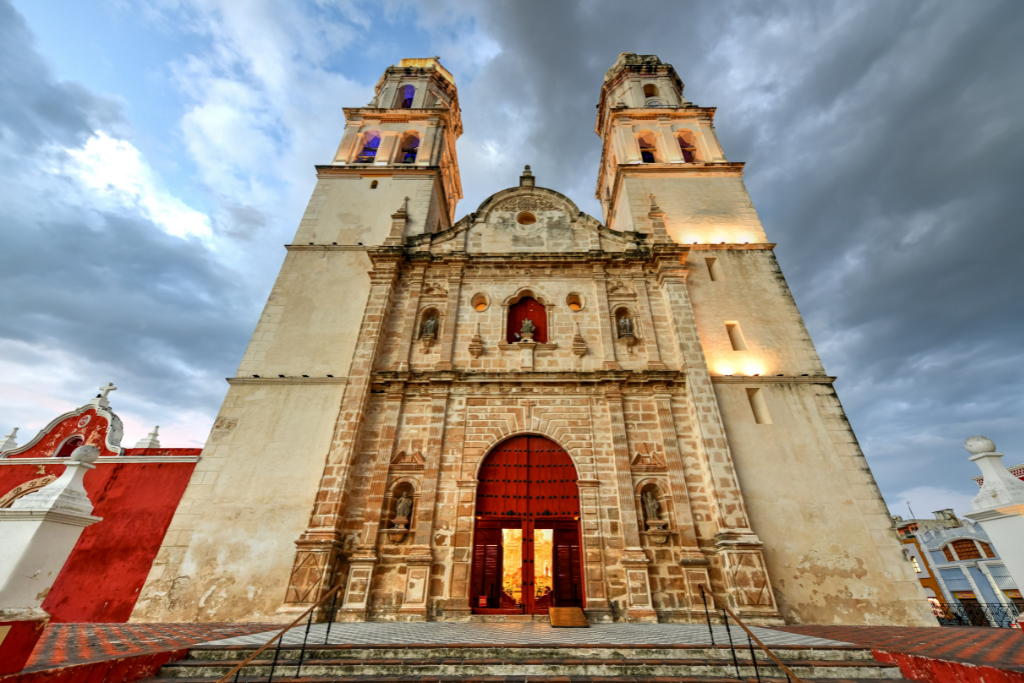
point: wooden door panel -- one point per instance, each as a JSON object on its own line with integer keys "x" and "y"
{"x": 528, "y": 480}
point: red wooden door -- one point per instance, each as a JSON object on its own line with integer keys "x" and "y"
{"x": 527, "y": 307}
{"x": 528, "y": 481}
{"x": 486, "y": 579}
{"x": 568, "y": 588}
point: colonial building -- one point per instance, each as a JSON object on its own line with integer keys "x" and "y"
{"x": 479, "y": 418}
{"x": 135, "y": 492}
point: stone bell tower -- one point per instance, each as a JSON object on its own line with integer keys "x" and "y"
{"x": 395, "y": 174}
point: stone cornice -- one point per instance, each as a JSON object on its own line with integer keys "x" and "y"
{"x": 325, "y": 247}
{"x": 624, "y": 377}
{"x": 107, "y": 460}
{"x": 737, "y": 247}
{"x": 375, "y": 170}
{"x": 700, "y": 167}
{"x": 786, "y": 379}
{"x": 286, "y": 380}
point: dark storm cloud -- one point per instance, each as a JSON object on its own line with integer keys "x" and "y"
{"x": 34, "y": 108}
{"x": 108, "y": 290}
{"x": 885, "y": 153}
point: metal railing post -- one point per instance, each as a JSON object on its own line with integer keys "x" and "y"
{"x": 302, "y": 650}
{"x": 707, "y": 615}
{"x": 276, "y": 653}
{"x": 330, "y": 617}
{"x": 753, "y": 658}
{"x": 732, "y": 647}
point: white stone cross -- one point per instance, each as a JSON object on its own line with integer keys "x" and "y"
{"x": 104, "y": 390}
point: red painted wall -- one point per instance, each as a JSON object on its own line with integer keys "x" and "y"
{"x": 102, "y": 579}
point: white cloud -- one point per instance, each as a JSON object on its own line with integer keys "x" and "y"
{"x": 119, "y": 177}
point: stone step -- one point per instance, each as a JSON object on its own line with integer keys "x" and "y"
{"x": 522, "y": 679}
{"x": 528, "y": 666}
{"x": 512, "y": 651}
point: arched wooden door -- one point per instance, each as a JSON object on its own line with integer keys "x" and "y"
{"x": 526, "y": 554}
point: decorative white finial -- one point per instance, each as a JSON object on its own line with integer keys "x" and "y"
{"x": 101, "y": 398}
{"x": 151, "y": 440}
{"x": 9, "y": 443}
{"x": 979, "y": 444}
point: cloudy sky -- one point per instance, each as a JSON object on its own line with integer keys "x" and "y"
{"x": 156, "y": 154}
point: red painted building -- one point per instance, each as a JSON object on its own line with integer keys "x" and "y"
{"x": 134, "y": 490}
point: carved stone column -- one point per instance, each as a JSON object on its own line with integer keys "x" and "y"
{"x": 451, "y": 315}
{"x": 457, "y": 606}
{"x": 605, "y": 318}
{"x": 644, "y": 305}
{"x": 690, "y": 556}
{"x": 360, "y": 578}
{"x": 634, "y": 560}
{"x": 414, "y": 279}
{"x": 420, "y": 557}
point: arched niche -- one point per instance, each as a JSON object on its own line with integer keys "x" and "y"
{"x": 526, "y": 304}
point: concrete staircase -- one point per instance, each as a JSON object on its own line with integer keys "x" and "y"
{"x": 597, "y": 663}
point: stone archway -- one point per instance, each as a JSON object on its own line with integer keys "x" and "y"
{"x": 527, "y": 550}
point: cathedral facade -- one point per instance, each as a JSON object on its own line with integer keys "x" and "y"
{"x": 530, "y": 407}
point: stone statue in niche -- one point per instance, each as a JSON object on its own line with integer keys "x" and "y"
{"x": 527, "y": 330}
{"x": 404, "y": 506}
{"x": 651, "y": 506}
{"x": 625, "y": 326}
{"x": 657, "y": 530}
{"x": 429, "y": 329}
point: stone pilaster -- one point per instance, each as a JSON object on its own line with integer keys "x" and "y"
{"x": 414, "y": 286}
{"x": 605, "y": 318}
{"x": 651, "y": 337}
{"x": 455, "y": 271}
{"x": 634, "y": 560}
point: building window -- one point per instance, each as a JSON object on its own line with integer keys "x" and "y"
{"x": 917, "y": 565}
{"x": 408, "y": 149}
{"x": 68, "y": 447}
{"x": 371, "y": 142}
{"x": 574, "y": 302}
{"x": 759, "y": 406}
{"x": 714, "y": 269}
{"x": 650, "y": 90}
{"x": 987, "y": 549}
{"x": 949, "y": 554}
{"x": 407, "y": 93}
{"x": 648, "y": 148}
{"x": 966, "y": 549}
{"x": 736, "y": 336}
{"x": 687, "y": 146}
{"x": 480, "y": 302}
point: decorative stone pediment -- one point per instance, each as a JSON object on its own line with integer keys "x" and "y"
{"x": 647, "y": 459}
{"x": 411, "y": 460}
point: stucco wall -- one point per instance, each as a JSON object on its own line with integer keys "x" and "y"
{"x": 228, "y": 551}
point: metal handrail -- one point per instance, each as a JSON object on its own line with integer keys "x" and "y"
{"x": 750, "y": 636}
{"x": 280, "y": 634}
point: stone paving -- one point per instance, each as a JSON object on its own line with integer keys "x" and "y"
{"x": 1002, "y": 648}
{"x": 66, "y": 644}
{"x": 530, "y": 633}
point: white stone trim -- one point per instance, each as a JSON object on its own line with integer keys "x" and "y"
{"x": 71, "y": 519}
{"x": 111, "y": 460}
